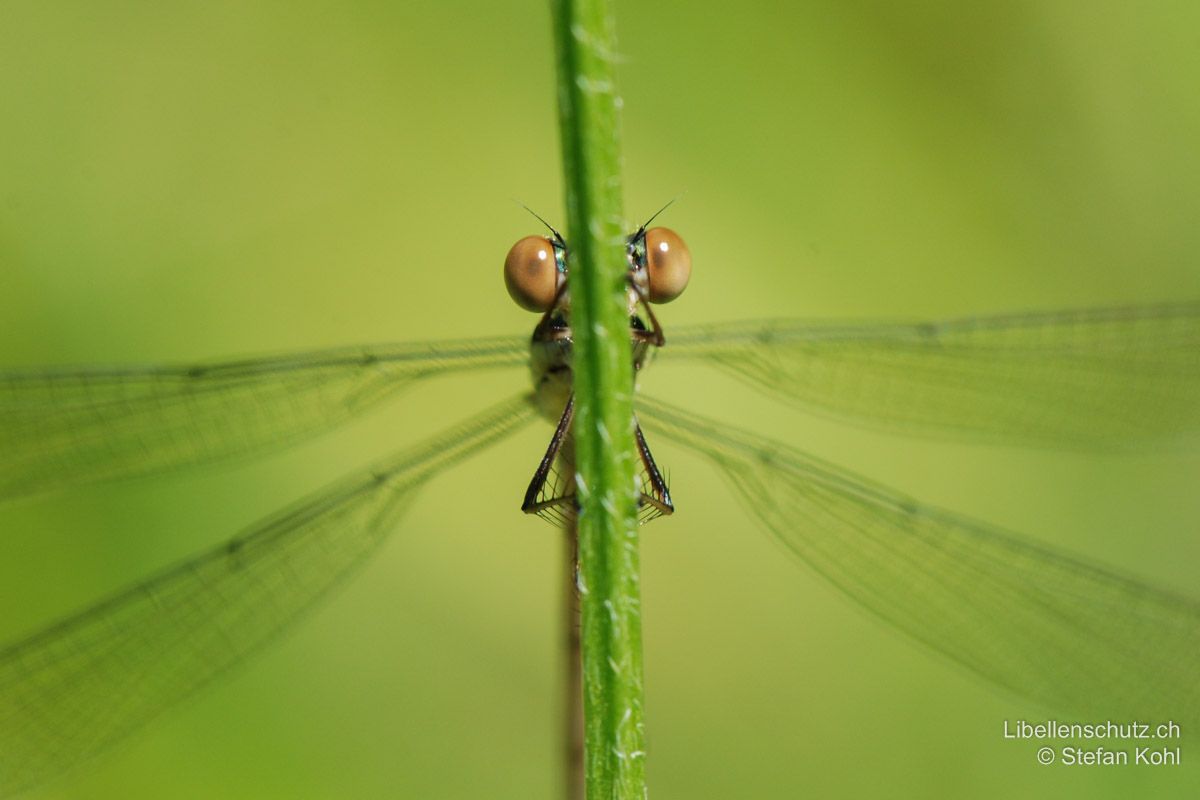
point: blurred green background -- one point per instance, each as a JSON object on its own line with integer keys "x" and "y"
{"x": 189, "y": 180}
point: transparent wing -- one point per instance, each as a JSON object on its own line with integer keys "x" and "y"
{"x": 1110, "y": 378}
{"x": 62, "y": 427}
{"x": 1072, "y": 636}
{"x": 77, "y": 687}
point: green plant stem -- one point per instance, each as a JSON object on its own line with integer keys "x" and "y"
{"x": 573, "y": 772}
{"x": 614, "y": 745}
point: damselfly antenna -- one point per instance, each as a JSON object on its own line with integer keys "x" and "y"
{"x": 557, "y": 236}
{"x": 641, "y": 231}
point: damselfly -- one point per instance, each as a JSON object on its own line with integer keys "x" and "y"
{"x": 1039, "y": 622}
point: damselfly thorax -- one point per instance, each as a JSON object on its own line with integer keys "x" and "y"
{"x": 535, "y": 273}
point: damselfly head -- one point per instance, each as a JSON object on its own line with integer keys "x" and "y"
{"x": 660, "y": 266}
{"x": 533, "y": 272}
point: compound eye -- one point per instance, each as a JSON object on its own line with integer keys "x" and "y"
{"x": 531, "y": 273}
{"x": 668, "y": 263}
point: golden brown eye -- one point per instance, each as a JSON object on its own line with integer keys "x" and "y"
{"x": 668, "y": 263}
{"x": 531, "y": 273}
